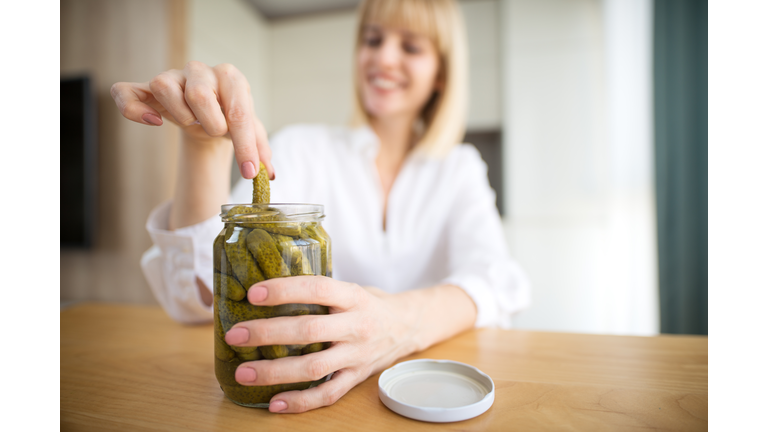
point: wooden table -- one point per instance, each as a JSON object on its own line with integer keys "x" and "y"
{"x": 133, "y": 368}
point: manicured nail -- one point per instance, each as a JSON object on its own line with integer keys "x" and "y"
{"x": 274, "y": 176}
{"x": 257, "y": 294}
{"x": 152, "y": 119}
{"x": 245, "y": 375}
{"x": 248, "y": 170}
{"x": 237, "y": 335}
{"x": 277, "y": 406}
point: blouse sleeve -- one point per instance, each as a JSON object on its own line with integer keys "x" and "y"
{"x": 479, "y": 261}
{"x": 176, "y": 260}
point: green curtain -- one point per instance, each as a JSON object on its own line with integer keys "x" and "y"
{"x": 680, "y": 117}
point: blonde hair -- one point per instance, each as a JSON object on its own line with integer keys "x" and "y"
{"x": 444, "y": 115}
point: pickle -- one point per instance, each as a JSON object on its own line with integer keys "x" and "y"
{"x": 311, "y": 255}
{"x": 243, "y": 265}
{"x": 255, "y": 217}
{"x": 325, "y": 247}
{"x": 225, "y": 371}
{"x": 220, "y": 262}
{"x": 285, "y": 228}
{"x": 328, "y": 257}
{"x": 302, "y": 268}
{"x": 317, "y": 309}
{"x": 250, "y": 356}
{"x": 274, "y": 351}
{"x": 291, "y": 254}
{"x": 261, "y": 186}
{"x": 309, "y": 258}
{"x": 247, "y": 215}
{"x": 229, "y": 286}
{"x": 217, "y": 317}
{"x": 258, "y": 395}
{"x": 247, "y": 353}
{"x": 243, "y": 350}
{"x": 292, "y": 229}
{"x": 222, "y": 351}
{"x": 262, "y": 246}
{"x": 295, "y": 309}
{"x": 313, "y": 348}
{"x": 279, "y": 351}
{"x": 232, "y": 312}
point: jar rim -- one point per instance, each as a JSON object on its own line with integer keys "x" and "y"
{"x": 289, "y": 212}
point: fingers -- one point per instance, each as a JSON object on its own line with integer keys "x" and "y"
{"x": 236, "y": 103}
{"x": 305, "y": 329}
{"x": 200, "y": 95}
{"x": 325, "y": 394}
{"x": 218, "y": 98}
{"x": 168, "y": 89}
{"x": 130, "y": 100}
{"x": 305, "y": 289}
{"x": 286, "y": 370}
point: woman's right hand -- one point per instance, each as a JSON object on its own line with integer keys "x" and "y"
{"x": 207, "y": 103}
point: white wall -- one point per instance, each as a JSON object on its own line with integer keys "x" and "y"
{"x": 311, "y": 69}
{"x": 634, "y": 305}
{"x": 482, "y": 19}
{"x": 573, "y": 223}
{"x": 230, "y": 31}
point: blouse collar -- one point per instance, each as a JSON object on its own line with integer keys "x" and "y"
{"x": 365, "y": 140}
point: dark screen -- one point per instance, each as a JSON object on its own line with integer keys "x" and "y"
{"x": 488, "y": 143}
{"x": 77, "y": 133}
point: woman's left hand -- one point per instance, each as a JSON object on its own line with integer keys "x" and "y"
{"x": 365, "y": 325}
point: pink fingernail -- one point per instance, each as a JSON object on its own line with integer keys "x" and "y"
{"x": 152, "y": 119}
{"x": 245, "y": 375}
{"x": 248, "y": 170}
{"x": 277, "y": 406}
{"x": 237, "y": 336}
{"x": 257, "y": 294}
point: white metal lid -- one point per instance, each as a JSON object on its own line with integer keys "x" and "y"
{"x": 436, "y": 390}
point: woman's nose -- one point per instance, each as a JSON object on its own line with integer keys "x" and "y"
{"x": 388, "y": 54}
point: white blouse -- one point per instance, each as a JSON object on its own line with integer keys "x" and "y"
{"x": 442, "y": 225}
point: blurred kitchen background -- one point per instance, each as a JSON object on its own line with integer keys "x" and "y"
{"x": 591, "y": 115}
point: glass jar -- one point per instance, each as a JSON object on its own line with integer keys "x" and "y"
{"x": 258, "y": 242}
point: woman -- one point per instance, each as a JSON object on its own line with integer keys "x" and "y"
{"x": 418, "y": 246}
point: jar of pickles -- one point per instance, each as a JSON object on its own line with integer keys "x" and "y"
{"x": 259, "y": 242}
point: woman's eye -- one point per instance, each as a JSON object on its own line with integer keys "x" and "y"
{"x": 411, "y": 48}
{"x": 372, "y": 41}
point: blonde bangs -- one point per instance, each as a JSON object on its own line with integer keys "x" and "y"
{"x": 443, "y": 118}
{"x": 411, "y": 15}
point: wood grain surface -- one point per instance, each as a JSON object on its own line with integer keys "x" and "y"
{"x": 127, "y": 367}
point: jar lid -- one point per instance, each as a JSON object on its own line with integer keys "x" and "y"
{"x": 436, "y": 390}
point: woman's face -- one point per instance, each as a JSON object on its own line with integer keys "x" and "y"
{"x": 398, "y": 71}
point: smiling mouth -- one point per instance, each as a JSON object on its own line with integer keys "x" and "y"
{"x": 384, "y": 83}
